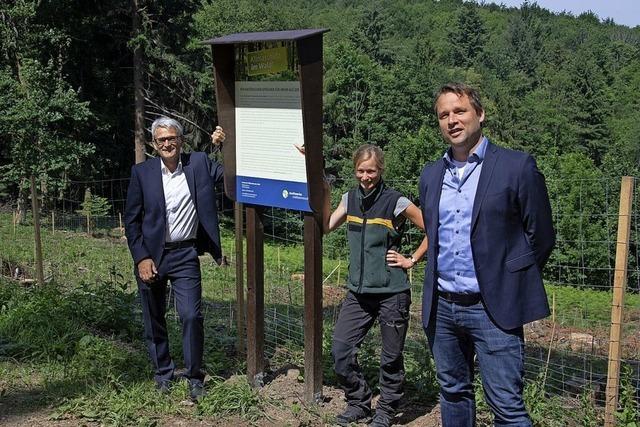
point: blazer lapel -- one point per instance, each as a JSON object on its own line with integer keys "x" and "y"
{"x": 488, "y": 163}
{"x": 433, "y": 196}
{"x": 187, "y": 168}
{"x": 156, "y": 182}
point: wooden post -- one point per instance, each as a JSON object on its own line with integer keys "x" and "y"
{"x": 15, "y": 221}
{"x": 120, "y": 223}
{"x": 309, "y": 55}
{"x": 619, "y": 284}
{"x": 88, "y": 225}
{"x": 255, "y": 297}
{"x": 553, "y": 334}
{"x": 312, "y": 308}
{"x": 35, "y": 206}
{"x": 53, "y": 223}
{"x": 240, "y": 313}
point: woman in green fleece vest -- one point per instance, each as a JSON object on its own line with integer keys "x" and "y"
{"x": 378, "y": 287}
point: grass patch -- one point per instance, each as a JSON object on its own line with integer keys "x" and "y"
{"x": 137, "y": 404}
{"x": 76, "y": 349}
{"x": 46, "y": 322}
{"x": 587, "y": 307}
{"x": 231, "y": 397}
{"x": 77, "y": 342}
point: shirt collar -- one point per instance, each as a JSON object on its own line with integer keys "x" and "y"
{"x": 477, "y": 156}
{"x": 166, "y": 171}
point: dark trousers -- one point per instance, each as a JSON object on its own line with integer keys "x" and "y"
{"x": 357, "y": 315}
{"x": 182, "y": 268}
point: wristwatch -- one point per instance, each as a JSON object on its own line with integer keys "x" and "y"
{"x": 413, "y": 261}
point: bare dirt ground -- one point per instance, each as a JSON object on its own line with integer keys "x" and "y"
{"x": 287, "y": 392}
{"x": 543, "y": 332}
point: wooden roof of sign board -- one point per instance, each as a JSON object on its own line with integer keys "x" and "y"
{"x": 269, "y": 36}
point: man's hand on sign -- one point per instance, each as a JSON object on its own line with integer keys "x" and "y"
{"x": 218, "y": 136}
{"x": 300, "y": 148}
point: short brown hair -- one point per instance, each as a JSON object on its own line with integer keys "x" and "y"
{"x": 365, "y": 152}
{"x": 459, "y": 89}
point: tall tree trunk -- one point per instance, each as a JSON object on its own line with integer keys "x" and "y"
{"x": 138, "y": 86}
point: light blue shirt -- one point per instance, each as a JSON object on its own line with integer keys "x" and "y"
{"x": 456, "y": 271}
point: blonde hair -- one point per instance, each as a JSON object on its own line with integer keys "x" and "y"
{"x": 367, "y": 151}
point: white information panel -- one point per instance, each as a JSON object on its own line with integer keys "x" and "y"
{"x": 270, "y": 171}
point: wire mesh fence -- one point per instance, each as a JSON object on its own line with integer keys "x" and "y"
{"x": 569, "y": 350}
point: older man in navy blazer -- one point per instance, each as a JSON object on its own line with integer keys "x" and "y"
{"x": 171, "y": 218}
{"x": 488, "y": 220}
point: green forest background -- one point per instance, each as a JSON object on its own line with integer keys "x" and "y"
{"x": 563, "y": 88}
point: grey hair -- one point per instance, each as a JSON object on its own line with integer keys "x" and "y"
{"x": 165, "y": 122}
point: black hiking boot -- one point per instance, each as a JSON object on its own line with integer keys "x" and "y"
{"x": 382, "y": 419}
{"x": 353, "y": 414}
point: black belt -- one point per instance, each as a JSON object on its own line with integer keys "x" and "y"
{"x": 181, "y": 244}
{"x": 463, "y": 299}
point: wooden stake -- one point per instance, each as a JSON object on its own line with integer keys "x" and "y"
{"x": 53, "y": 223}
{"x": 335, "y": 311}
{"x": 120, "y": 223}
{"x": 88, "y": 225}
{"x": 312, "y": 308}
{"x": 553, "y": 333}
{"x": 255, "y": 297}
{"x": 279, "y": 268}
{"x": 35, "y": 206}
{"x": 619, "y": 284}
{"x": 240, "y": 347}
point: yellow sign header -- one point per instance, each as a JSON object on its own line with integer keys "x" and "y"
{"x": 267, "y": 61}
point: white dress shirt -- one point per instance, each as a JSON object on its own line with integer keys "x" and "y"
{"x": 182, "y": 219}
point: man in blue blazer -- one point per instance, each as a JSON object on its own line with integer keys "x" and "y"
{"x": 488, "y": 220}
{"x": 171, "y": 218}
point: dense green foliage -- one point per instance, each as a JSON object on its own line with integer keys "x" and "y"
{"x": 558, "y": 86}
{"x": 46, "y": 322}
{"x": 552, "y": 84}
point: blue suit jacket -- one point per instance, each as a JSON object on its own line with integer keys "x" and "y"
{"x": 145, "y": 210}
{"x": 511, "y": 236}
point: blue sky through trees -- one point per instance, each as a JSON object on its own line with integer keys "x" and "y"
{"x": 624, "y": 12}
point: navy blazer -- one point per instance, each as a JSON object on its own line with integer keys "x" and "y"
{"x": 512, "y": 236}
{"x": 145, "y": 210}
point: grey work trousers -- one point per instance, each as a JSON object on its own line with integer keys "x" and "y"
{"x": 357, "y": 315}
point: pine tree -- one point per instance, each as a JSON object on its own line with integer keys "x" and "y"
{"x": 468, "y": 37}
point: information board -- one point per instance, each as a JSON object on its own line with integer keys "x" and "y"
{"x": 270, "y": 171}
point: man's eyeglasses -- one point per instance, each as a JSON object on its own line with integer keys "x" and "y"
{"x": 167, "y": 139}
